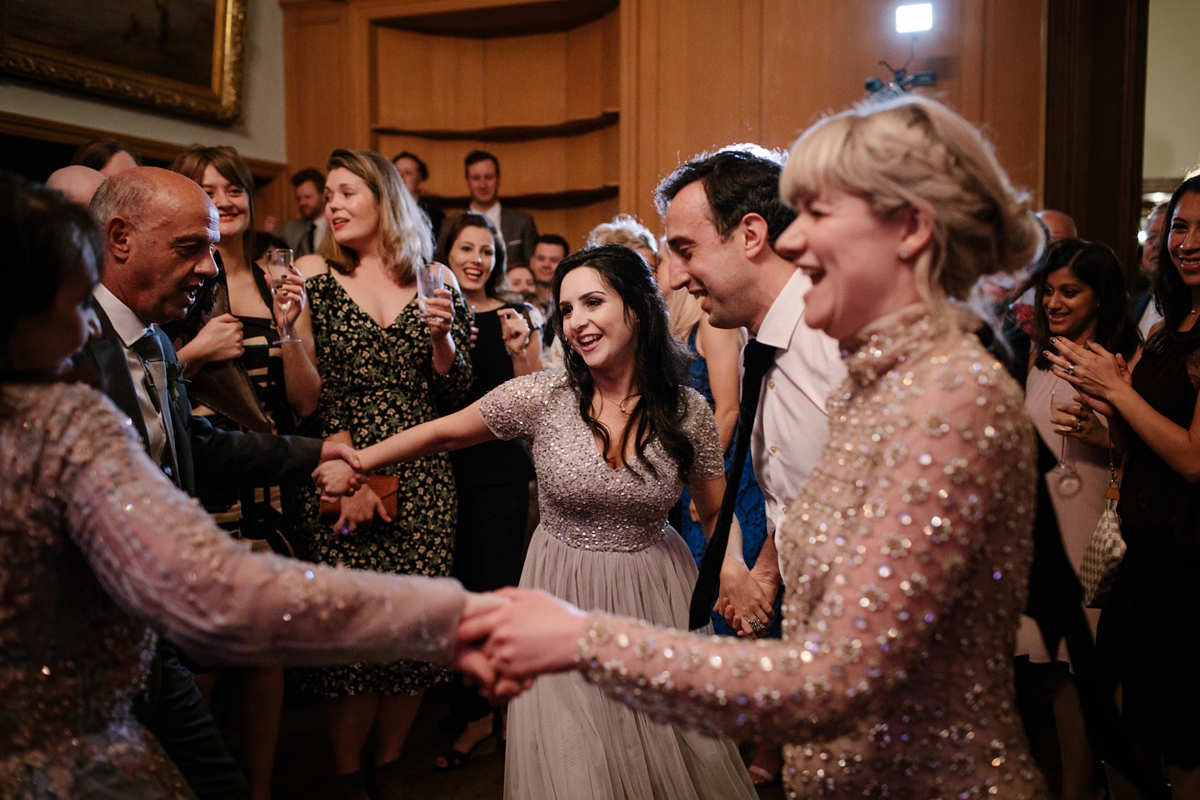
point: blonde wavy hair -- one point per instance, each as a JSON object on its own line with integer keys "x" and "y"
{"x": 624, "y": 229}
{"x": 405, "y": 237}
{"x": 913, "y": 152}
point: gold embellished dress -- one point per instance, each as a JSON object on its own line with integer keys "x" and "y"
{"x": 97, "y": 546}
{"x": 603, "y": 543}
{"x": 905, "y": 561}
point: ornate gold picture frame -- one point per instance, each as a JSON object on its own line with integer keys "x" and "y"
{"x": 178, "y": 56}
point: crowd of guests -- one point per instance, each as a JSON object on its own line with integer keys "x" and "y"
{"x": 793, "y": 376}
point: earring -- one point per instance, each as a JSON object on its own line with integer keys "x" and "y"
{"x": 903, "y": 254}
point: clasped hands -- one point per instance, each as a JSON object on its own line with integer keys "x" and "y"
{"x": 509, "y": 637}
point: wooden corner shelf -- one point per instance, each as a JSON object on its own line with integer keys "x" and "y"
{"x": 572, "y": 198}
{"x": 509, "y": 133}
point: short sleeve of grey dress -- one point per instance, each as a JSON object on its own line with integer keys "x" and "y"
{"x": 604, "y": 543}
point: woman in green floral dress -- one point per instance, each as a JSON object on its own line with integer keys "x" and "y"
{"x": 383, "y": 368}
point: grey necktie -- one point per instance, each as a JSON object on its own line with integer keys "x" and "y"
{"x": 154, "y": 362}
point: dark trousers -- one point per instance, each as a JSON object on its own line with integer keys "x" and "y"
{"x": 178, "y": 717}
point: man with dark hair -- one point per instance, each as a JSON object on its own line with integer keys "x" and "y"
{"x": 306, "y": 235}
{"x": 414, "y": 173}
{"x": 548, "y": 250}
{"x": 483, "y": 183}
{"x": 723, "y": 213}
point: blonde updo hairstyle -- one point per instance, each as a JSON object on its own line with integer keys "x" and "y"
{"x": 623, "y": 229}
{"x": 405, "y": 238}
{"x": 912, "y": 152}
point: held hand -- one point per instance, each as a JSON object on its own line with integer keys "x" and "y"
{"x": 469, "y": 656}
{"x": 439, "y": 313}
{"x": 514, "y": 330}
{"x": 337, "y": 450}
{"x": 536, "y": 634}
{"x": 336, "y": 479}
{"x": 748, "y": 599}
{"x": 1079, "y": 422}
{"x": 360, "y": 509}
{"x": 219, "y": 340}
{"x": 289, "y": 300}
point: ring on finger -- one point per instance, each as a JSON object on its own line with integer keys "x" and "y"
{"x": 757, "y": 625}
{"x": 1079, "y": 426}
{"x": 1071, "y": 370}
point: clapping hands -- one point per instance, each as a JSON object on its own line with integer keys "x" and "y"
{"x": 509, "y": 637}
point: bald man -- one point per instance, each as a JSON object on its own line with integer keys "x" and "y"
{"x": 1059, "y": 224}
{"x": 77, "y": 183}
{"x": 159, "y": 230}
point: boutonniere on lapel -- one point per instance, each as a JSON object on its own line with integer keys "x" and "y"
{"x": 175, "y": 378}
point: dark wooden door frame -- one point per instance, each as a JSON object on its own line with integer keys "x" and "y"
{"x": 1095, "y": 118}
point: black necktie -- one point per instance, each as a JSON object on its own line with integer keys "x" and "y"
{"x": 310, "y": 239}
{"x": 756, "y": 360}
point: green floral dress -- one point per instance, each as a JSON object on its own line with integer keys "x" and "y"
{"x": 376, "y": 382}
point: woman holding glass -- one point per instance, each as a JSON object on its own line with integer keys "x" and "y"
{"x": 283, "y": 373}
{"x": 1079, "y": 296}
{"x": 1148, "y": 637}
{"x": 387, "y": 362}
{"x": 905, "y": 557}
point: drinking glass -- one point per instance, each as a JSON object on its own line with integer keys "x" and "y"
{"x": 279, "y": 266}
{"x": 429, "y": 279}
{"x": 1065, "y": 475}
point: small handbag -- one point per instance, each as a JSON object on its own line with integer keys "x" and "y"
{"x": 386, "y": 486}
{"x": 1102, "y": 560}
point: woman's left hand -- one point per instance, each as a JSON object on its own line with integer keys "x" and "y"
{"x": 1079, "y": 422}
{"x": 289, "y": 300}
{"x": 439, "y": 313}
{"x": 1092, "y": 369}
{"x": 514, "y": 330}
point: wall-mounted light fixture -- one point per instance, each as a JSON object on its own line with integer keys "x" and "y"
{"x": 914, "y": 18}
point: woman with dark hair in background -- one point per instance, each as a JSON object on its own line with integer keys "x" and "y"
{"x": 1079, "y": 296}
{"x": 384, "y": 366}
{"x": 492, "y": 477}
{"x": 1148, "y": 637}
{"x": 614, "y": 438}
{"x": 285, "y": 383}
{"x": 106, "y": 156}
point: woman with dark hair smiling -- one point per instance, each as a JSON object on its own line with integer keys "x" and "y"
{"x": 1079, "y": 296}
{"x": 1149, "y": 633}
{"x": 614, "y": 438}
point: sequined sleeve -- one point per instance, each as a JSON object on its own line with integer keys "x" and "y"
{"x": 452, "y": 388}
{"x": 161, "y": 558}
{"x": 708, "y": 462}
{"x": 512, "y": 410}
{"x": 911, "y": 537}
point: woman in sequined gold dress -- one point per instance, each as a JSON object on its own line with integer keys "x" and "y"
{"x": 905, "y": 558}
{"x": 613, "y": 440}
{"x": 97, "y": 546}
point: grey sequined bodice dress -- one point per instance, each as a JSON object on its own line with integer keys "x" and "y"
{"x": 604, "y": 544}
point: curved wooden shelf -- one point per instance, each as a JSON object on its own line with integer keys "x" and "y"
{"x": 522, "y": 19}
{"x": 573, "y": 198}
{"x": 509, "y": 133}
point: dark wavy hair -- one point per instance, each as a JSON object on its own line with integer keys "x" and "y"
{"x": 96, "y": 154}
{"x": 192, "y": 163}
{"x": 1172, "y": 296}
{"x": 494, "y": 288}
{"x": 660, "y": 362}
{"x": 1098, "y": 267}
{"x": 46, "y": 241}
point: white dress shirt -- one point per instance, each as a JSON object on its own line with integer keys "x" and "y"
{"x": 1150, "y": 318}
{"x": 130, "y": 328}
{"x": 492, "y": 213}
{"x": 791, "y": 428}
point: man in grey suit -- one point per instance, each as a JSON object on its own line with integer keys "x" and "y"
{"x": 517, "y": 228}
{"x": 305, "y": 235}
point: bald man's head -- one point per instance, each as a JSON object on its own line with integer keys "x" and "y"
{"x": 77, "y": 183}
{"x": 1061, "y": 226}
{"x": 159, "y": 232}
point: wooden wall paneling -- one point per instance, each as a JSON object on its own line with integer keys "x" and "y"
{"x": 525, "y": 80}
{"x": 574, "y": 224}
{"x": 584, "y": 54}
{"x": 428, "y": 82}
{"x": 318, "y": 120}
{"x": 639, "y": 99}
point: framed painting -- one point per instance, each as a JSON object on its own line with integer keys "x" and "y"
{"x": 179, "y": 56}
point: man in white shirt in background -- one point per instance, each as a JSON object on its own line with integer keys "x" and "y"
{"x": 517, "y": 228}
{"x": 306, "y": 234}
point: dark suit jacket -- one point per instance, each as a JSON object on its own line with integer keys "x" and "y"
{"x": 520, "y": 235}
{"x": 207, "y": 456}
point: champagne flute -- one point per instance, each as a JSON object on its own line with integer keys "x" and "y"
{"x": 279, "y": 267}
{"x": 1066, "y": 476}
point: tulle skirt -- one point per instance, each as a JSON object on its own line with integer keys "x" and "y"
{"x": 566, "y": 740}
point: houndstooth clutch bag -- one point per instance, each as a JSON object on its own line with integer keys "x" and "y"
{"x": 1104, "y": 553}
